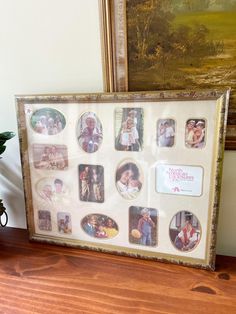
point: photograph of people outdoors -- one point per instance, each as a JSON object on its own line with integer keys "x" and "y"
{"x": 48, "y": 121}
{"x": 91, "y": 183}
{"x": 143, "y": 225}
{"x": 177, "y": 44}
{"x": 89, "y": 132}
{"x": 195, "y": 131}
{"x": 185, "y": 231}
{"x": 99, "y": 226}
{"x": 128, "y": 180}
{"x": 129, "y": 129}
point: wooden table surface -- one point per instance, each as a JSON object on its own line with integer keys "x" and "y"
{"x": 39, "y": 278}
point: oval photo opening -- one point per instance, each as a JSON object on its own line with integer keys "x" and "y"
{"x": 128, "y": 180}
{"x": 52, "y": 189}
{"x": 89, "y": 132}
{"x": 99, "y": 226}
{"x": 185, "y": 231}
{"x": 48, "y": 121}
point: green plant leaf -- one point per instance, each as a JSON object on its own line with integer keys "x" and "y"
{"x": 2, "y": 142}
{"x": 2, "y": 149}
{"x": 7, "y": 135}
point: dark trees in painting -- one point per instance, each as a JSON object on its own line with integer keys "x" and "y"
{"x": 156, "y": 43}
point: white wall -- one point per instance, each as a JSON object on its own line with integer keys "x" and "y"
{"x": 53, "y": 46}
{"x": 46, "y": 46}
{"x": 226, "y": 236}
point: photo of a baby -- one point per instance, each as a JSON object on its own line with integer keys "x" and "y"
{"x": 128, "y": 180}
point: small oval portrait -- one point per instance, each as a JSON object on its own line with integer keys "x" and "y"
{"x": 129, "y": 180}
{"x": 52, "y": 189}
{"x": 89, "y": 132}
{"x": 99, "y": 226}
{"x": 185, "y": 231}
{"x": 195, "y": 132}
{"x": 48, "y": 121}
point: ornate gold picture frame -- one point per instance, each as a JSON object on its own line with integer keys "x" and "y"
{"x": 127, "y": 173}
{"x": 163, "y": 45}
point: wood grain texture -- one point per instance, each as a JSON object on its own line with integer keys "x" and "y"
{"x": 39, "y": 278}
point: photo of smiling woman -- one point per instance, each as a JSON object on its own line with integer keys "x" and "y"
{"x": 128, "y": 180}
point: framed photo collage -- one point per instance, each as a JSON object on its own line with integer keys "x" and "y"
{"x": 129, "y": 173}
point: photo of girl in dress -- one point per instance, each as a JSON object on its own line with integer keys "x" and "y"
{"x": 64, "y": 223}
{"x": 91, "y": 183}
{"x": 89, "y": 132}
{"x": 195, "y": 132}
{"x": 165, "y": 132}
{"x": 129, "y": 129}
{"x": 44, "y": 220}
{"x": 128, "y": 180}
{"x": 52, "y": 189}
{"x": 50, "y": 157}
{"x": 99, "y": 226}
{"x": 143, "y": 223}
{"x": 185, "y": 231}
{"x": 48, "y": 121}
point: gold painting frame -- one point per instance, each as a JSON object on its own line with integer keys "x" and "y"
{"x": 114, "y": 34}
{"x": 57, "y": 156}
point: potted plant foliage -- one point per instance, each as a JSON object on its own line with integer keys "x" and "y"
{"x": 5, "y": 136}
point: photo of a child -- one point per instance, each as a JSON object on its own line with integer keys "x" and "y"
{"x": 99, "y": 226}
{"x": 143, "y": 223}
{"x": 89, "y": 132}
{"x": 64, "y": 223}
{"x": 129, "y": 129}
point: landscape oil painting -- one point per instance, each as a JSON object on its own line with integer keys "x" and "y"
{"x": 156, "y": 45}
{"x": 179, "y": 44}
